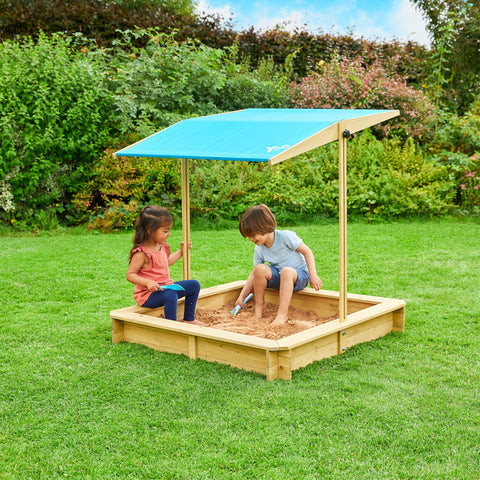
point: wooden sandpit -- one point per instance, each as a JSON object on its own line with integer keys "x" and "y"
{"x": 312, "y": 333}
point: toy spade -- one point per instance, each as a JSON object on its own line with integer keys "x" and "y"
{"x": 237, "y": 308}
{"x": 173, "y": 286}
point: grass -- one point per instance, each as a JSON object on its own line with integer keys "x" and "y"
{"x": 406, "y": 406}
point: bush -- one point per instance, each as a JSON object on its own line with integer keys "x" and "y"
{"x": 385, "y": 180}
{"x": 469, "y": 192}
{"x": 99, "y": 20}
{"x": 309, "y": 51}
{"x": 164, "y": 81}
{"x": 458, "y": 135}
{"x": 352, "y": 85}
{"x": 266, "y": 86}
{"x": 123, "y": 180}
{"x": 55, "y": 120}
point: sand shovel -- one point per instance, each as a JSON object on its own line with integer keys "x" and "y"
{"x": 173, "y": 286}
{"x": 237, "y": 308}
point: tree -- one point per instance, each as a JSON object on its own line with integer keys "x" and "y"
{"x": 455, "y": 29}
{"x": 98, "y": 19}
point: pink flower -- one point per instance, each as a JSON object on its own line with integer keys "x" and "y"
{"x": 471, "y": 174}
{"x": 476, "y": 187}
{"x": 463, "y": 187}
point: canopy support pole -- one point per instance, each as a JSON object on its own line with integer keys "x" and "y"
{"x": 186, "y": 218}
{"x": 343, "y": 135}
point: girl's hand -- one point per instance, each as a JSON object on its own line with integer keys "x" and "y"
{"x": 315, "y": 282}
{"x": 153, "y": 286}
{"x": 189, "y": 245}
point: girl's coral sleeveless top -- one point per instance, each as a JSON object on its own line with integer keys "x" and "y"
{"x": 157, "y": 270}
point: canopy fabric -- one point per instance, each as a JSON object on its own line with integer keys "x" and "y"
{"x": 255, "y": 135}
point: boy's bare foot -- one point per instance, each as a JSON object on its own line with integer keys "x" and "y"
{"x": 280, "y": 319}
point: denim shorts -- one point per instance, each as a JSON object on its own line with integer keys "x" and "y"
{"x": 300, "y": 284}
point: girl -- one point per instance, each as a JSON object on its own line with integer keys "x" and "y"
{"x": 148, "y": 268}
{"x": 291, "y": 264}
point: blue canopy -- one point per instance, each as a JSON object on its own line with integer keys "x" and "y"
{"x": 255, "y": 135}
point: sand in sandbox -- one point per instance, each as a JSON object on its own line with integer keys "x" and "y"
{"x": 245, "y": 321}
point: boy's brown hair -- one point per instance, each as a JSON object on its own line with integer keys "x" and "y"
{"x": 257, "y": 219}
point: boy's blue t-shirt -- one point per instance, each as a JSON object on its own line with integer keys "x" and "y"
{"x": 283, "y": 252}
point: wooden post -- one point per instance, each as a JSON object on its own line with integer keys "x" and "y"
{"x": 186, "y": 218}
{"x": 342, "y": 218}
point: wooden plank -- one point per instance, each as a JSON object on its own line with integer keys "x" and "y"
{"x": 319, "y": 349}
{"x": 284, "y": 371}
{"x": 271, "y": 365}
{"x": 192, "y": 347}
{"x": 342, "y": 220}
{"x": 330, "y": 134}
{"x": 157, "y": 339}
{"x": 203, "y": 332}
{"x": 399, "y": 320}
{"x": 239, "y": 356}
{"x": 357, "y": 124}
{"x": 117, "y": 331}
{"x": 369, "y": 330}
{"x": 186, "y": 218}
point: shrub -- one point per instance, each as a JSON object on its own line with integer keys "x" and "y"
{"x": 458, "y": 135}
{"x": 469, "y": 188}
{"x": 96, "y": 19}
{"x": 164, "y": 79}
{"x": 352, "y": 85}
{"x": 116, "y": 216}
{"x": 263, "y": 87}
{"x": 385, "y": 179}
{"x": 56, "y": 118}
{"x": 123, "y": 180}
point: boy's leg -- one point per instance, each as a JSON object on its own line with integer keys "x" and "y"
{"x": 288, "y": 277}
{"x": 261, "y": 275}
{"x": 192, "y": 289}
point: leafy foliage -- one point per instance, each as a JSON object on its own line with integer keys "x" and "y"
{"x": 55, "y": 119}
{"x": 163, "y": 82}
{"x": 455, "y": 28}
{"x": 100, "y": 20}
{"x": 310, "y": 51}
{"x": 126, "y": 179}
{"x": 469, "y": 192}
{"x": 104, "y": 22}
{"x": 266, "y": 86}
{"x": 348, "y": 84}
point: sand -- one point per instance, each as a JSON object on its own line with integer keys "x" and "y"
{"x": 245, "y": 322}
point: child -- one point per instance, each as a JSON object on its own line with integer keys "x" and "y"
{"x": 291, "y": 264}
{"x": 148, "y": 268}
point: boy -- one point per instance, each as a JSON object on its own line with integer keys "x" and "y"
{"x": 291, "y": 264}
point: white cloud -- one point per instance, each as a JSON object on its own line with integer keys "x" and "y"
{"x": 407, "y": 23}
{"x": 224, "y": 12}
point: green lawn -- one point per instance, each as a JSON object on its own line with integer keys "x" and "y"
{"x": 406, "y": 406}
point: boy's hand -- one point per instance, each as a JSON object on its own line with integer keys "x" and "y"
{"x": 315, "y": 282}
{"x": 238, "y": 301}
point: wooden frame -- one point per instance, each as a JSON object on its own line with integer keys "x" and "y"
{"x": 367, "y": 318}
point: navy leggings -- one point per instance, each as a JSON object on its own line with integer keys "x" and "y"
{"x": 169, "y": 300}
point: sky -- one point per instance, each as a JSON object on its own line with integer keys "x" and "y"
{"x": 370, "y": 19}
